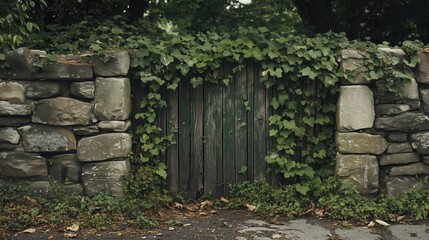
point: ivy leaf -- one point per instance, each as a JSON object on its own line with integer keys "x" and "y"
{"x": 275, "y": 103}
{"x": 302, "y": 188}
{"x": 309, "y": 73}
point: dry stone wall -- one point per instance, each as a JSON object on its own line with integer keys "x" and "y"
{"x": 66, "y": 122}
{"x": 382, "y": 139}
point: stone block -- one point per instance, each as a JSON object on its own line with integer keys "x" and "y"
{"x": 65, "y": 71}
{"x": 39, "y": 138}
{"x": 83, "y": 89}
{"x": 65, "y": 168}
{"x": 104, "y": 147}
{"x": 114, "y": 126}
{"x": 399, "y": 158}
{"x": 425, "y": 159}
{"x": 9, "y": 135}
{"x": 11, "y": 109}
{"x": 396, "y": 137}
{"x": 403, "y": 147}
{"x": 360, "y": 143}
{"x": 62, "y": 111}
{"x": 391, "y": 109}
{"x": 409, "y": 92}
{"x": 423, "y": 67}
{"x": 12, "y": 92}
{"x": 43, "y": 89}
{"x": 104, "y": 176}
{"x": 355, "y": 108}
{"x": 22, "y": 165}
{"x": 112, "y": 98}
{"x": 420, "y": 142}
{"x": 39, "y": 189}
{"x": 20, "y": 62}
{"x": 353, "y": 61}
{"x": 359, "y": 170}
{"x": 424, "y": 95}
{"x": 86, "y": 130}
{"x": 117, "y": 65}
{"x": 409, "y": 170}
{"x": 405, "y": 122}
{"x": 397, "y": 186}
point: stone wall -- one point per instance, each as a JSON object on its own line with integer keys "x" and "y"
{"x": 65, "y": 122}
{"x": 382, "y": 139}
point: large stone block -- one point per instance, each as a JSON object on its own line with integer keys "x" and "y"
{"x": 83, "y": 89}
{"x": 355, "y": 108}
{"x": 104, "y": 176}
{"x": 353, "y": 62}
{"x": 117, "y": 65}
{"x": 404, "y": 147}
{"x": 424, "y": 95}
{"x": 391, "y": 109}
{"x": 62, "y": 111}
{"x": 65, "y": 71}
{"x": 420, "y": 142}
{"x": 399, "y": 158}
{"x": 20, "y": 64}
{"x": 409, "y": 170}
{"x": 405, "y": 122}
{"x": 65, "y": 168}
{"x": 43, "y": 89}
{"x": 12, "y": 92}
{"x": 396, "y": 186}
{"x": 409, "y": 92}
{"x": 112, "y": 98}
{"x": 9, "y": 135}
{"x": 359, "y": 170}
{"x": 360, "y": 143}
{"x": 104, "y": 147}
{"x": 22, "y": 165}
{"x": 11, "y": 109}
{"x": 423, "y": 67}
{"x": 14, "y": 121}
{"x": 38, "y": 138}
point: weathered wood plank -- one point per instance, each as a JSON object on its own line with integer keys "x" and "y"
{"x": 184, "y": 136}
{"x": 212, "y": 139}
{"x": 197, "y": 173}
{"x": 251, "y": 120}
{"x": 228, "y": 133}
{"x": 260, "y": 128}
{"x": 240, "y": 124}
{"x": 173, "y": 151}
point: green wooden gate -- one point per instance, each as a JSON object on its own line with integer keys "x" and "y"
{"x": 221, "y": 132}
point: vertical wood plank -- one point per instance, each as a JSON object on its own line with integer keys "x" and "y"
{"x": 240, "y": 124}
{"x": 228, "y": 132}
{"x": 196, "y": 178}
{"x": 251, "y": 121}
{"x": 161, "y": 121}
{"x": 184, "y": 136}
{"x": 172, "y": 152}
{"x": 212, "y": 139}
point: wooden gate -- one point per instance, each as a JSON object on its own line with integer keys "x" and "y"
{"x": 221, "y": 132}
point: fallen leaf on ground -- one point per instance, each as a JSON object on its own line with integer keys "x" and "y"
{"x": 186, "y": 224}
{"x": 319, "y": 212}
{"x": 171, "y": 229}
{"x": 73, "y": 228}
{"x": 178, "y": 206}
{"x": 371, "y": 224}
{"x": 400, "y": 218}
{"x": 223, "y": 200}
{"x": 29, "y": 230}
{"x": 51, "y": 237}
{"x": 382, "y": 223}
{"x": 276, "y": 236}
{"x": 250, "y": 207}
{"x": 70, "y": 235}
{"x": 203, "y": 213}
{"x": 213, "y": 212}
{"x": 206, "y": 203}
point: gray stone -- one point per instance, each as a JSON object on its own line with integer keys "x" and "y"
{"x": 115, "y": 126}
{"x": 360, "y": 143}
{"x": 65, "y": 168}
{"x": 397, "y": 137}
{"x": 42, "y": 89}
{"x": 414, "y": 105}
{"x": 65, "y": 71}
{"x": 104, "y": 147}
{"x": 408, "y": 92}
{"x": 62, "y": 111}
{"x": 355, "y": 108}
{"x": 396, "y": 186}
{"x": 20, "y": 64}
{"x": 425, "y": 159}
{"x": 393, "y": 52}
{"x": 423, "y": 67}
{"x": 420, "y": 142}
{"x": 12, "y": 92}
{"x": 117, "y": 65}
{"x": 39, "y": 189}
{"x": 353, "y": 62}
{"x": 38, "y": 138}
{"x": 8, "y": 146}
{"x": 409, "y": 170}
{"x": 9, "y": 109}
{"x": 424, "y": 95}
{"x": 359, "y": 170}
{"x": 9, "y": 135}
{"x": 406, "y": 122}
{"x": 86, "y": 130}
{"x": 399, "y": 158}
{"x": 404, "y": 147}
{"x": 21, "y": 165}
{"x": 391, "y": 109}
{"x": 104, "y": 176}
{"x": 14, "y": 121}
{"x": 112, "y": 98}
{"x": 83, "y": 89}
{"x": 409, "y": 232}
